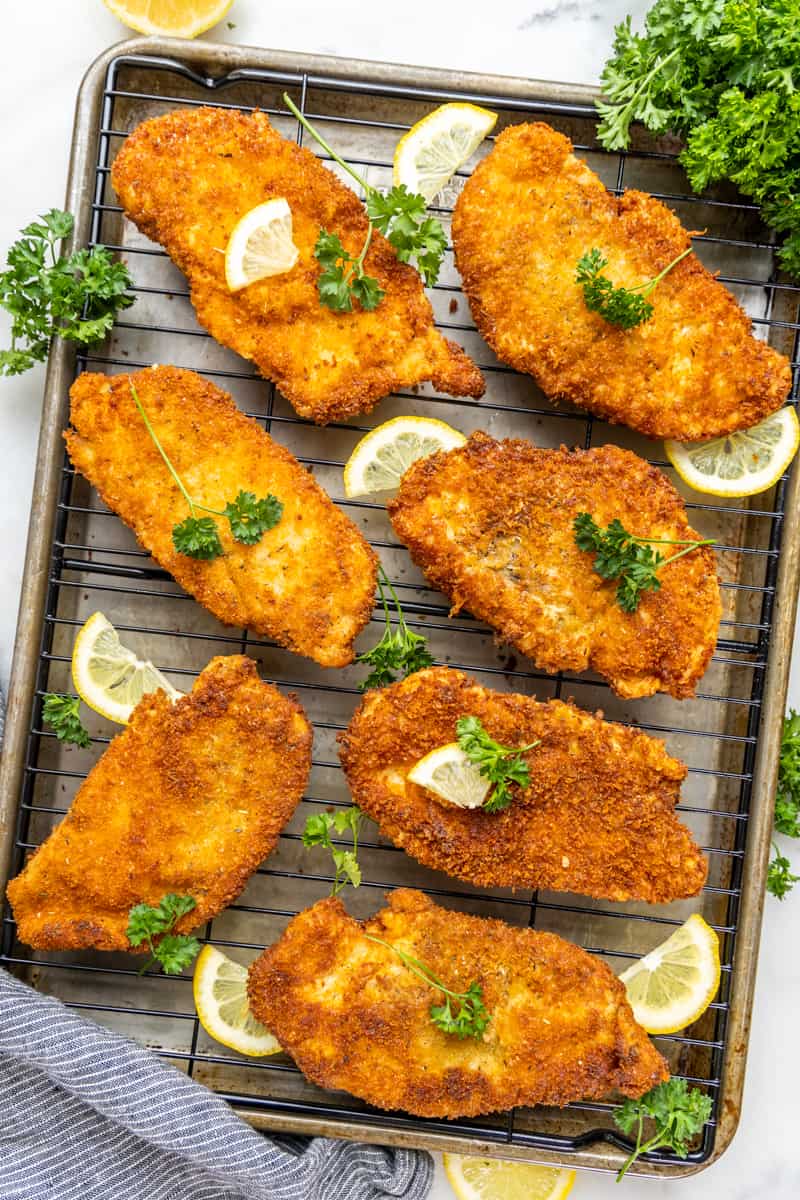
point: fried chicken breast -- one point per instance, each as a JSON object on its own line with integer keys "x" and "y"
{"x": 189, "y": 798}
{"x": 308, "y": 583}
{"x": 528, "y": 213}
{"x": 597, "y": 818}
{"x": 187, "y": 178}
{"x": 491, "y": 526}
{"x": 354, "y": 1017}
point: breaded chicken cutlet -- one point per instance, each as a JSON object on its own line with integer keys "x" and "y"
{"x": 188, "y": 799}
{"x": 188, "y": 177}
{"x": 528, "y": 213}
{"x": 354, "y": 1017}
{"x": 309, "y": 583}
{"x": 491, "y": 525}
{"x": 598, "y": 816}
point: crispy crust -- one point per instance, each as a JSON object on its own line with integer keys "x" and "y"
{"x": 187, "y": 178}
{"x": 525, "y": 217}
{"x": 598, "y": 817}
{"x": 353, "y": 1017}
{"x": 313, "y": 602}
{"x": 189, "y": 798}
{"x": 490, "y": 524}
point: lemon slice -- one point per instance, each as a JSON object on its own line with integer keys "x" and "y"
{"x": 449, "y": 774}
{"x": 220, "y": 997}
{"x": 497, "y": 1179}
{"x": 428, "y": 156}
{"x": 177, "y": 18}
{"x": 261, "y": 245}
{"x": 740, "y": 464}
{"x": 674, "y": 984}
{"x": 383, "y": 455}
{"x": 110, "y": 678}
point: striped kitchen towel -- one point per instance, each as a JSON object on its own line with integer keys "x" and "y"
{"x": 88, "y": 1115}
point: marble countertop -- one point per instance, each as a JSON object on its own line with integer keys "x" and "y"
{"x": 50, "y": 45}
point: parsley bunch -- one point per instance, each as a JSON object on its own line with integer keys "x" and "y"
{"x": 317, "y": 832}
{"x": 468, "y": 1020}
{"x": 499, "y": 764}
{"x": 398, "y": 214}
{"x": 629, "y": 559}
{"x": 725, "y": 75}
{"x": 399, "y": 650}
{"x": 626, "y": 307}
{"x": 63, "y": 714}
{"x": 173, "y": 950}
{"x": 679, "y": 1113}
{"x": 780, "y": 879}
{"x": 76, "y": 298}
{"x": 198, "y": 537}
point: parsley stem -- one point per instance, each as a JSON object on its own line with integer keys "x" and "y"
{"x": 687, "y": 550}
{"x": 416, "y": 967}
{"x": 651, "y": 284}
{"x": 325, "y": 145}
{"x": 163, "y": 452}
{"x": 383, "y": 578}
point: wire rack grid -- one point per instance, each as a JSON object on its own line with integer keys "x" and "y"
{"x": 97, "y": 564}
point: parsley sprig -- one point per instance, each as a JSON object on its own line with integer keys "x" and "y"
{"x": 502, "y": 765}
{"x": 318, "y": 830}
{"x": 399, "y": 650}
{"x": 469, "y": 1019}
{"x": 75, "y": 297}
{"x": 198, "y": 537}
{"x": 398, "y": 214}
{"x": 173, "y": 950}
{"x": 622, "y": 306}
{"x": 679, "y": 1113}
{"x": 630, "y": 560}
{"x": 63, "y": 714}
{"x": 780, "y": 879}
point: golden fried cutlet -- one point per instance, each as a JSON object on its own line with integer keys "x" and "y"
{"x": 189, "y": 798}
{"x": 526, "y": 216}
{"x": 187, "y": 178}
{"x": 491, "y": 526}
{"x": 309, "y": 583}
{"x": 352, "y": 1016}
{"x": 598, "y": 816}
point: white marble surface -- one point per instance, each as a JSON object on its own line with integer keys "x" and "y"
{"x": 48, "y": 45}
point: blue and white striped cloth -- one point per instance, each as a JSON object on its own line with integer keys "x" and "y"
{"x": 89, "y": 1115}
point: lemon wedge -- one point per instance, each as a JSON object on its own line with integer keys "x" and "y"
{"x": 498, "y": 1179}
{"x": 674, "y": 984}
{"x": 176, "y": 18}
{"x": 449, "y": 774}
{"x": 382, "y": 456}
{"x": 107, "y": 676}
{"x": 428, "y": 156}
{"x": 220, "y": 997}
{"x": 740, "y": 464}
{"x": 261, "y": 245}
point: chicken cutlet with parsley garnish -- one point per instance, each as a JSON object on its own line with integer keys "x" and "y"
{"x": 491, "y": 524}
{"x": 597, "y": 816}
{"x": 354, "y": 1017}
{"x": 309, "y": 582}
{"x": 188, "y": 177}
{"x": 188, "y": 799}
{"x": 529, "y": 212}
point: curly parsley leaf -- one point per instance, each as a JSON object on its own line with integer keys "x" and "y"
{"x": 197, "y": 537}
{"x": 625, "y": 307}
{"x": 343, "y": 278}
{"x": 146, "y": 922}
{"x": 787, "y": 803}
{"x": 780, "y": 879}
{"x": 75, "y": 297}
{"x": 62, "y": 713}
{"x": 679, "y": 1114}
{"x": 250, "y": 518}
{"x": 502, "y": 765}
{"x": 319, "y": 830}
{"x": 400, "y": 651}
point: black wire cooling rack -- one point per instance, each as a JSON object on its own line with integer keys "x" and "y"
{"x": 97, "y": 564}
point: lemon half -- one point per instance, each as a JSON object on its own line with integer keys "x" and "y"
{"x": 740, "y": 464}
{"x": 383, "y": 455}
{"x": 428, "y": 156}
{"x": 448, "y": 773}
{"x": 110, "y": 678}
{"x": 261, "y": 245}
{"x": 220, "y": 997}
{"x": 499, "y": 1179}
{"x": 674, "y": 984}
{"x": 175, "y": 18}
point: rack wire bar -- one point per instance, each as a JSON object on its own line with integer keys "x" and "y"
{"x": 95, "y": 560}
